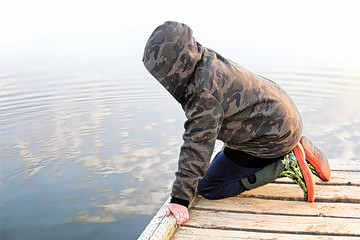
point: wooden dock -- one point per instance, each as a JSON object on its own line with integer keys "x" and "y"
{"x": 273, "y": 211}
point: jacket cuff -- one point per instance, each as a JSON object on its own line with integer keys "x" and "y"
{"x": 182, "y": 202}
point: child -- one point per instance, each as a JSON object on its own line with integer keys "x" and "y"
{"x": 258, "y": 122}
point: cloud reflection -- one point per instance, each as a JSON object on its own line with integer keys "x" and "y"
{"x": 327, "y": 94}
{"x": 121, "y": 152}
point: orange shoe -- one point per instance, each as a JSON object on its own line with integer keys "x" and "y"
{"x": 316, "y": 159}
{"x": 297, "y": 169}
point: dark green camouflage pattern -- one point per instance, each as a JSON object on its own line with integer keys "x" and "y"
{"x": 222, "y": 100}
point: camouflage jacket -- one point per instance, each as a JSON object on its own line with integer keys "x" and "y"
{"x": 222, "y": 100}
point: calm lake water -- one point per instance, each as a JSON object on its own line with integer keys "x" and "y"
{"x": 89, "y": 140}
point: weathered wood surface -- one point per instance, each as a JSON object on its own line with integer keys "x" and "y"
{"x": 278, "y": 211}
{"x": 323, "y": 193}
{"x": 160, "y": 227}
{"x": 188, "y": 233}
{"x": 279, "y": 207}
{"x": 273, "y": 223}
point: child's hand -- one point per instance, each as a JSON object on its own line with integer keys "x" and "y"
{"x": 180, "y": 212}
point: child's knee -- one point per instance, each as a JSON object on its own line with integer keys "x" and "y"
{"x": 220, "y": 192}
{"x": 203, "y": 190}
{"x": 208, "y": 194}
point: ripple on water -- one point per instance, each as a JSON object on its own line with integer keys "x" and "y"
{"x": 106, "y": 148}
{"x": 327, "y": 95}
{"x": 39, "y": 99}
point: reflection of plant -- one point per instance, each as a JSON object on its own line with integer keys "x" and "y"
{"x": 293, "y": 171}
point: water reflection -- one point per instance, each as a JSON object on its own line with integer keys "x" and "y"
{"x": 83, "y": 152}
{"x": 327, "y": 96}
{"x": 89, "y": 141}
{"x": 90, "y": 150}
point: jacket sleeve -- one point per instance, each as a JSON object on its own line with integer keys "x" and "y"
{"x": 204, "y": 118}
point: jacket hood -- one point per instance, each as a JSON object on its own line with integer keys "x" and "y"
{"x": 171, "y": 55}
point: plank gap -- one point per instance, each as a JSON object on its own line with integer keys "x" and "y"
{"x": 206, "y": 234}
{"x": 156, "y": 228}
{"x": 323, "y": 183}
{"x": 272, "y": 213}
{"x": 318, "y": 199}
{"x": 223, "y": 228}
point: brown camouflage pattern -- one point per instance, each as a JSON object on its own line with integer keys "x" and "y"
{"x": 222, "y": 100}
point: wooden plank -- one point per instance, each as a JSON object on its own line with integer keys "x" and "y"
{"x": 324, "y": 193}
{"x": 161, "y": 227}
{"x": 263, "y": 213}
{"x": 278, "y": 207}
{"x": 274, "y": 223}
{"x": 189, "y": 233}
{"x": 337, "y": 178}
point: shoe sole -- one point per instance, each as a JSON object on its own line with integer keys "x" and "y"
{"x": 317, "y": 158}
{"x": 307, "y": 175}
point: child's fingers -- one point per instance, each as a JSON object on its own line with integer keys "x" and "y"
{"x": 180, "y": 213}
{"x": 168, "y": 212}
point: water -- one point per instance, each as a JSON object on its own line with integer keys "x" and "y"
{"x": 89, "y": 140}
{"x": 88, "y": 155}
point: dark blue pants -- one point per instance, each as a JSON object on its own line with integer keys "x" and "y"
{"x": 223, "y": 178}
{"x": 233, "y": 172}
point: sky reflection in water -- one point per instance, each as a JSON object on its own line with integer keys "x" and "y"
{"x": 89, "y": 140}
